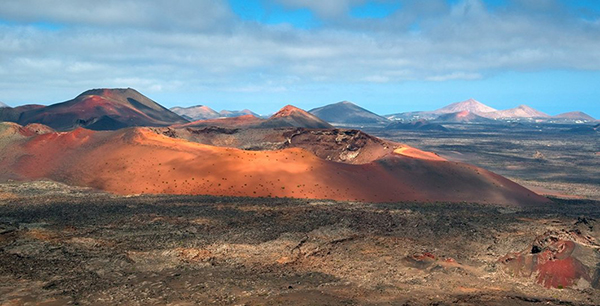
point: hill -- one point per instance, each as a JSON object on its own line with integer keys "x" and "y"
{"x": 101, "y": 109}
{"x": 288, "y": 116}
{"x": 3, "y": 105}
{"x": 12, "y": 114}
{"x": 198, "y": 112}
{"x": 291, "y": 116}
{"x": 348, "y": 113}
{"x": 575, "y": 116}
{"x": 470, "y": 105}
{"x": 521, "y": 111}
{"x": 139, "y": 160}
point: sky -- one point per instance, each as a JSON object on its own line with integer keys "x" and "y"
{"x": 388, "y": 56}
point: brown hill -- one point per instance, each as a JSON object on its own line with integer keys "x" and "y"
{"x": 348, "y": 113}
{"x": 291, "y": 116}
{"x": 102, "y": 109}
{"x": 340, "y": 145}
{"x": 575, "y": 116}
{"x": 11, "y": 114}
{"x": 138, "y": 160}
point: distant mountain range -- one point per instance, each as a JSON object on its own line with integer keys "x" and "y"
{"x": 472, "y": 110}
{"x": 288, "y": 116}
{"x": 198, "y": 112}
{"x": 110, "y": 109}
{"x": 3, "y": 105}
{"x": 203, "y": 112}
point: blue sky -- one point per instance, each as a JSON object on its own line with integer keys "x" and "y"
{"x": 388, "y": 56}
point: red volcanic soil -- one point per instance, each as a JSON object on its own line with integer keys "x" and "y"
{"x": 138, "y": 160}
{"x": 553, "y": 264}
{"x": 291, "y": 116}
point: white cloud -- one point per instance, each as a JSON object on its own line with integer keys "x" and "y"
{"x": 327, "y": 8}
{"x": 200, "y": 45}
{"x": 454, "y": 76}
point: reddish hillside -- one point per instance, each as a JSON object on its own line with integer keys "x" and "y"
{"x": 102, "y": 109}
{"x": 291, "y": 116}
{"x": 138, "y": 160}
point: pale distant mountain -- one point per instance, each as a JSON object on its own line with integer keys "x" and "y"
{"x": 462, "y": 116}
{"x": 198, "y": 112}
{"x": 471, "y": 105}
{"x": 348, "y": 113}
{"x": 3, "y": 105}
{"x": 575, "y": 116}
{"x": 521, "y": 111}
{"x": 288, "y": 116}
{"x": 291, "y": 116}
{"x": 237, "y": 113}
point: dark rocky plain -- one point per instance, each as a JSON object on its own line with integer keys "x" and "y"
{"x": 63, "y": 245}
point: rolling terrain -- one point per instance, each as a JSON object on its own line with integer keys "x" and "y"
{"x": 290, "y": 210}
{"x": 139, "y": 160}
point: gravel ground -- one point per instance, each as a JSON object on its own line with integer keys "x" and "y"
{"x": 63, "y": 245}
